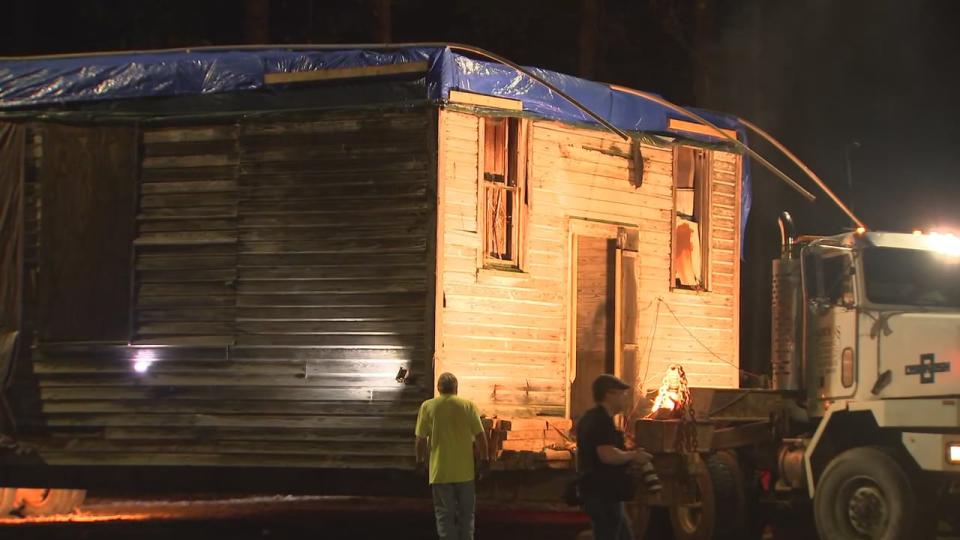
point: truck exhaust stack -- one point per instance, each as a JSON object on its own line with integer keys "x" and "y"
{"x": 785, "y": 310}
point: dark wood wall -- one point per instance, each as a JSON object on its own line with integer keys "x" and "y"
{"x": 284, "y": 273}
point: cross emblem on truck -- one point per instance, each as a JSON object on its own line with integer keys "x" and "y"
{"x": 928, "y": 368}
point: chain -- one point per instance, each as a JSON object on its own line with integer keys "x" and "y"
{"x": 686, "y": 441}
{"x": 687, "y": 431}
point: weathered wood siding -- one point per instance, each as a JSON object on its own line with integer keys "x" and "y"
{"x": 505, "y": 334}
{"x": 284, "y": 274}
{"x": 501, "y": 334}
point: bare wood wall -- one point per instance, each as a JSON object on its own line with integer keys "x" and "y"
{"x": 505, "y": 334}
{"x": 283, "y": 277}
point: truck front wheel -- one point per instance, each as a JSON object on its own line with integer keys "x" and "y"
{"x": 866, "y": 493}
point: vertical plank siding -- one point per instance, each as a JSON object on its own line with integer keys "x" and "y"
{"x": 505, "y": 334}
{"x": 281, "y": 283}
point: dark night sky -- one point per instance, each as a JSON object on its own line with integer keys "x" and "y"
{"x": 819, "y": 74}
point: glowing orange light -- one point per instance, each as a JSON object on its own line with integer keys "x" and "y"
{"x": 918, "y": 233}
{"x": 861, "y": 230}
{"x": 673, "y": 394}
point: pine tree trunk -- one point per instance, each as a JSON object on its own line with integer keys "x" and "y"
{"x": 589, "y": 34}
{"x": 382, "y": 11}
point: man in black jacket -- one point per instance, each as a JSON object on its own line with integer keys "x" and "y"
{"x": 602, "y": 461}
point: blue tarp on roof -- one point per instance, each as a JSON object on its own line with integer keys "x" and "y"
{"x": 51, "y": 82}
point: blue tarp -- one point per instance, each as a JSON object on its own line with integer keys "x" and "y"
{"x": 50, "y": 82}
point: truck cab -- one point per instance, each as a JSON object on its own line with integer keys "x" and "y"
{"x": 882, "y": 317}
{"x": 878, "y": 334}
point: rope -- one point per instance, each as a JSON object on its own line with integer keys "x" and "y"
{"x": 727, "y": 405}
{"x": 562, "y": 434}
{"x": 650, "y": 341}
{"x": 706, "y": 348}
{"x": 649, "y": 353}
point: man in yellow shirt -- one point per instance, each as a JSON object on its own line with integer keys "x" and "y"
{"x": 447, "y": 429}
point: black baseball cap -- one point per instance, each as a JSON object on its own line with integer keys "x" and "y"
{"x": 606, "y": 382}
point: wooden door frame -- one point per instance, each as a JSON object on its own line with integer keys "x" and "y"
{"x": 610, "y": 231}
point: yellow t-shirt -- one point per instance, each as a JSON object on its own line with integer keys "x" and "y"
{"x": 450, "y": 423}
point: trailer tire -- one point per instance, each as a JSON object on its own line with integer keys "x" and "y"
{"x": 726, "y": 505}
{"x": 47, "y": 502}
{"x": 648, "y": 522}
{"x": 866, "y": 492}
{"x": 639, "y": 516}
{"x": 657, "y": 526}
{"x": 696, "y": 522}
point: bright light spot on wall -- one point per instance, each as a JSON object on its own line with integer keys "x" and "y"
{"x": 143, "y": 360}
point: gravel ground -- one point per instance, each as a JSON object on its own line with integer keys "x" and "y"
{"x": 265, "y": 517}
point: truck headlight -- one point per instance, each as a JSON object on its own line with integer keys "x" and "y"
{"x": 953, "y": 454}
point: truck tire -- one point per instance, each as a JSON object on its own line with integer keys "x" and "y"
{"x": 866, "y": 493}
{"x": 47, "y": 502}
{"x": 726, "y": 506}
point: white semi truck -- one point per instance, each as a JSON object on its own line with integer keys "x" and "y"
{"x": 862, "y": 424}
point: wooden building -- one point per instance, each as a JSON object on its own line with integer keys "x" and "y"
{"x": 275, "y": 277}
{"x": 587, "y": 266}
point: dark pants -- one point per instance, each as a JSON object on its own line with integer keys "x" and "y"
{"x": 454, "y": 506}
{"x": 607, "y": 516}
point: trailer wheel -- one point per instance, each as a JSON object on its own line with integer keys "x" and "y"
{"x": 866, "y": 493}
{"x": 639, "y": 516}
{"x": 648, "y": 522}
{"x": 724, "y": 508}
{"x": 46, "y": 502}
{"x": 695, "y": 521}
{"x": 656, "y": 527}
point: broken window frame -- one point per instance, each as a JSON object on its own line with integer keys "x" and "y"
{"x": 702, "y": 187}
{"x": 510, "y": 183}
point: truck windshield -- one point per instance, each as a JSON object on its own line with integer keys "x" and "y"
{"x": 911, "y": 277}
